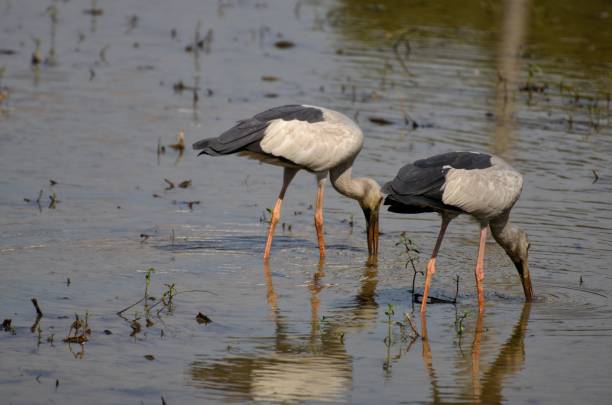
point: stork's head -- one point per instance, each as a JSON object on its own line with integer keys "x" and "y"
{"x": 516, "y": 244}
{"x": 519, "y": 252}
{"x": 370, "y": 204}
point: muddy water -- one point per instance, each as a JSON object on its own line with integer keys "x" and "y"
{"x": 294, "y": 331}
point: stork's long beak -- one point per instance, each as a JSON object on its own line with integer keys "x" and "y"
{"x": 523, "y": 269}
{"x": 371, "y": 217}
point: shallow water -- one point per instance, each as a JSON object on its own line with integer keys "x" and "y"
{"x": 295, "y": 331}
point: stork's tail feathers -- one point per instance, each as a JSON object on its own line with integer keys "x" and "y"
{"x": 207, "y": 147}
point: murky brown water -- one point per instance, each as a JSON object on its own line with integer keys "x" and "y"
{"x": 295, "y": 331}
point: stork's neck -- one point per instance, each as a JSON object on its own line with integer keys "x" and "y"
{"x": 344, "y": 183}
{"x": 506, "y": 234}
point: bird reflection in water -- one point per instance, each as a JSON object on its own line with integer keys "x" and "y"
{"x": 316, "y": 365}
{"x": 313, "y": 366}
{"x": 483, "y": 387}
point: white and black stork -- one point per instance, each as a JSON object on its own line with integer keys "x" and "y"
{"x": 477, "y": 184}
{"x": 314, "y": 139}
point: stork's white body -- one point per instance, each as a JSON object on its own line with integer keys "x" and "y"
{"x": 316, "y": 147}
{"x": 486, "y": 193}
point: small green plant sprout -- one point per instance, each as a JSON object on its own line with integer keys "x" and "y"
{"x": 412, "y": 252}
{"x": 390, "y": 312}
{"x": 459, "y": 328}
{"x": 148, "y": 273}
{"x": 408, "y": 244}
{"x": 167, "y": 299}
{"x": 169, "y": 294}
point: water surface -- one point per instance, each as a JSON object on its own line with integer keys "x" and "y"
{"x": 295, "y": 331}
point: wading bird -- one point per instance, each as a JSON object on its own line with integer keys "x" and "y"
{"x": 477, "y": 184}
{"x": 315, "y": 139}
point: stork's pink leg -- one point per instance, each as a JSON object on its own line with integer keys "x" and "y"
{"x": 480, "y": 267}
{"x": 318, "y": 218}
{"x": 288, "y": 175}
{"x": 431, "y": 264}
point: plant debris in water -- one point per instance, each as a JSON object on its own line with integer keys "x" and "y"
{"x": 185, "y": 184}
{"x": 7, "y": 325}
{"x": 269, "y": 78}
{"x": 284, "y": 44}
{"x": 380, "y": 121}
{"x": 94, "y": 11}
{"x": 179, "y": 87}
{"x": 180, "y": 142}
{"x": 79, "y": 330}
{"x": 202, "y": 319}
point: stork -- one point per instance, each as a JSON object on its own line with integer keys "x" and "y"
{"x": 314, "y": 139}
{"x": 454, "y": 183}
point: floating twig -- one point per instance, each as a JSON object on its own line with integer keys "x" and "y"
{"x": 456, "y": 290}
{"x": 170, "y": 184}
{"x": 38, "y": 311}
{"x": 130, "y": 306}
{"x": 380, "y": 121}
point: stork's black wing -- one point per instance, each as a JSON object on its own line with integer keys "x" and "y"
{"x": 418, "y": 186}
{"x": 247, "y": 133}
